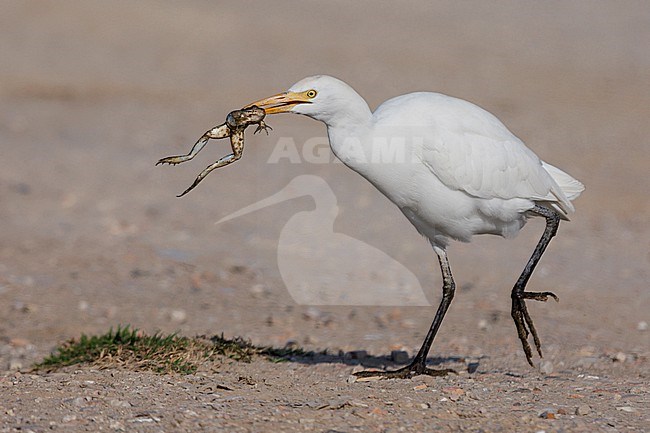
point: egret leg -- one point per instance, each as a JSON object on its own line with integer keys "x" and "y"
{"x": 519, "y": 312}
{"x": 418, "y": 365}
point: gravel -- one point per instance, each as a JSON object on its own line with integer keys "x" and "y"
{"x": 92, "y": 235}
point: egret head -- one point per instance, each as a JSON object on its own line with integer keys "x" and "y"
{"x": 320, "y": 97}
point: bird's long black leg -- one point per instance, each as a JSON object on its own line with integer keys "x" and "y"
{"x": 418, "y": 365}
{"x": 519, "y": 312}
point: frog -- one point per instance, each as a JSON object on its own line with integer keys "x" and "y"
{"x": 236, "y": 122}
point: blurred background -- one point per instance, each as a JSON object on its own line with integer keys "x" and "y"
{"x": 93, "y": 93}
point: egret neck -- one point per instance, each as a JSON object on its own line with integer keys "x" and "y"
{"x": 348, "y": 130}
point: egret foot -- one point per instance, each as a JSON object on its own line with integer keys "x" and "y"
{"x": 414, "y": 369}
{"x": 524, "y": 322}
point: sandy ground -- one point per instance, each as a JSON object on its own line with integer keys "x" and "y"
{"x": 92, "y": 93}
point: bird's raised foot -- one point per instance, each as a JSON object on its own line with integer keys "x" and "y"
{"x": 406, "y": 372}
{"x": 523, "y": 321}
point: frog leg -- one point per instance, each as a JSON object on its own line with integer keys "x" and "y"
{"x": 262, "y": 127}
{"x": 237, "y": 144}
{"x": 221, "y": 131}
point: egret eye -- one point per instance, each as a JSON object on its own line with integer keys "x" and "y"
{"x": 311, "y": 93}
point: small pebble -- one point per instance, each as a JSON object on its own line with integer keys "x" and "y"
{"x": 583, "y": 410}
{"x": 546, "y": 367}
{"x": 620, "y": 357}
{"x": 399, "y": 356}
{"x": 15, "y": 364}
{"x": 472, "y": 367}
{"x": 482, "y": 324}
{"x": 260, "y": 290}
{"x": 587, "y": 361}
{"x": 547, "y": 414}
{"x": 625, "y": 408}
{"x": 642, "y": 326}
{"x": 79, "y": 401}
{"x": 425, "y": 378}
{"x": 117, "y": 425}
{"x": 369, "y": 379}
{"x": 639, "y": 390}
{"x": 454, "y": 393}
{"x": 69, "y": 418}
{"x": 178, "y": 316}
{"x": 312, "y": 313}
{"x": 119, "y": 403}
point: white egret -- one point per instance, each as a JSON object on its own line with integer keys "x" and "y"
{"x": 452, "y": 168}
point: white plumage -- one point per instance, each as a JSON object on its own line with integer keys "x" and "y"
{"x": 452, "y": 168}
{"x": 465, "y": 173}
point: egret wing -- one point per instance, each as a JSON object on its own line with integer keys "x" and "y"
{"x": 491, "y": 167}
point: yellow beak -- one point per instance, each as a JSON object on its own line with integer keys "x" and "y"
{"x": 281, "y": 103}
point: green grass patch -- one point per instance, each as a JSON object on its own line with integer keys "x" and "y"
{"x": 134, "y": 350}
